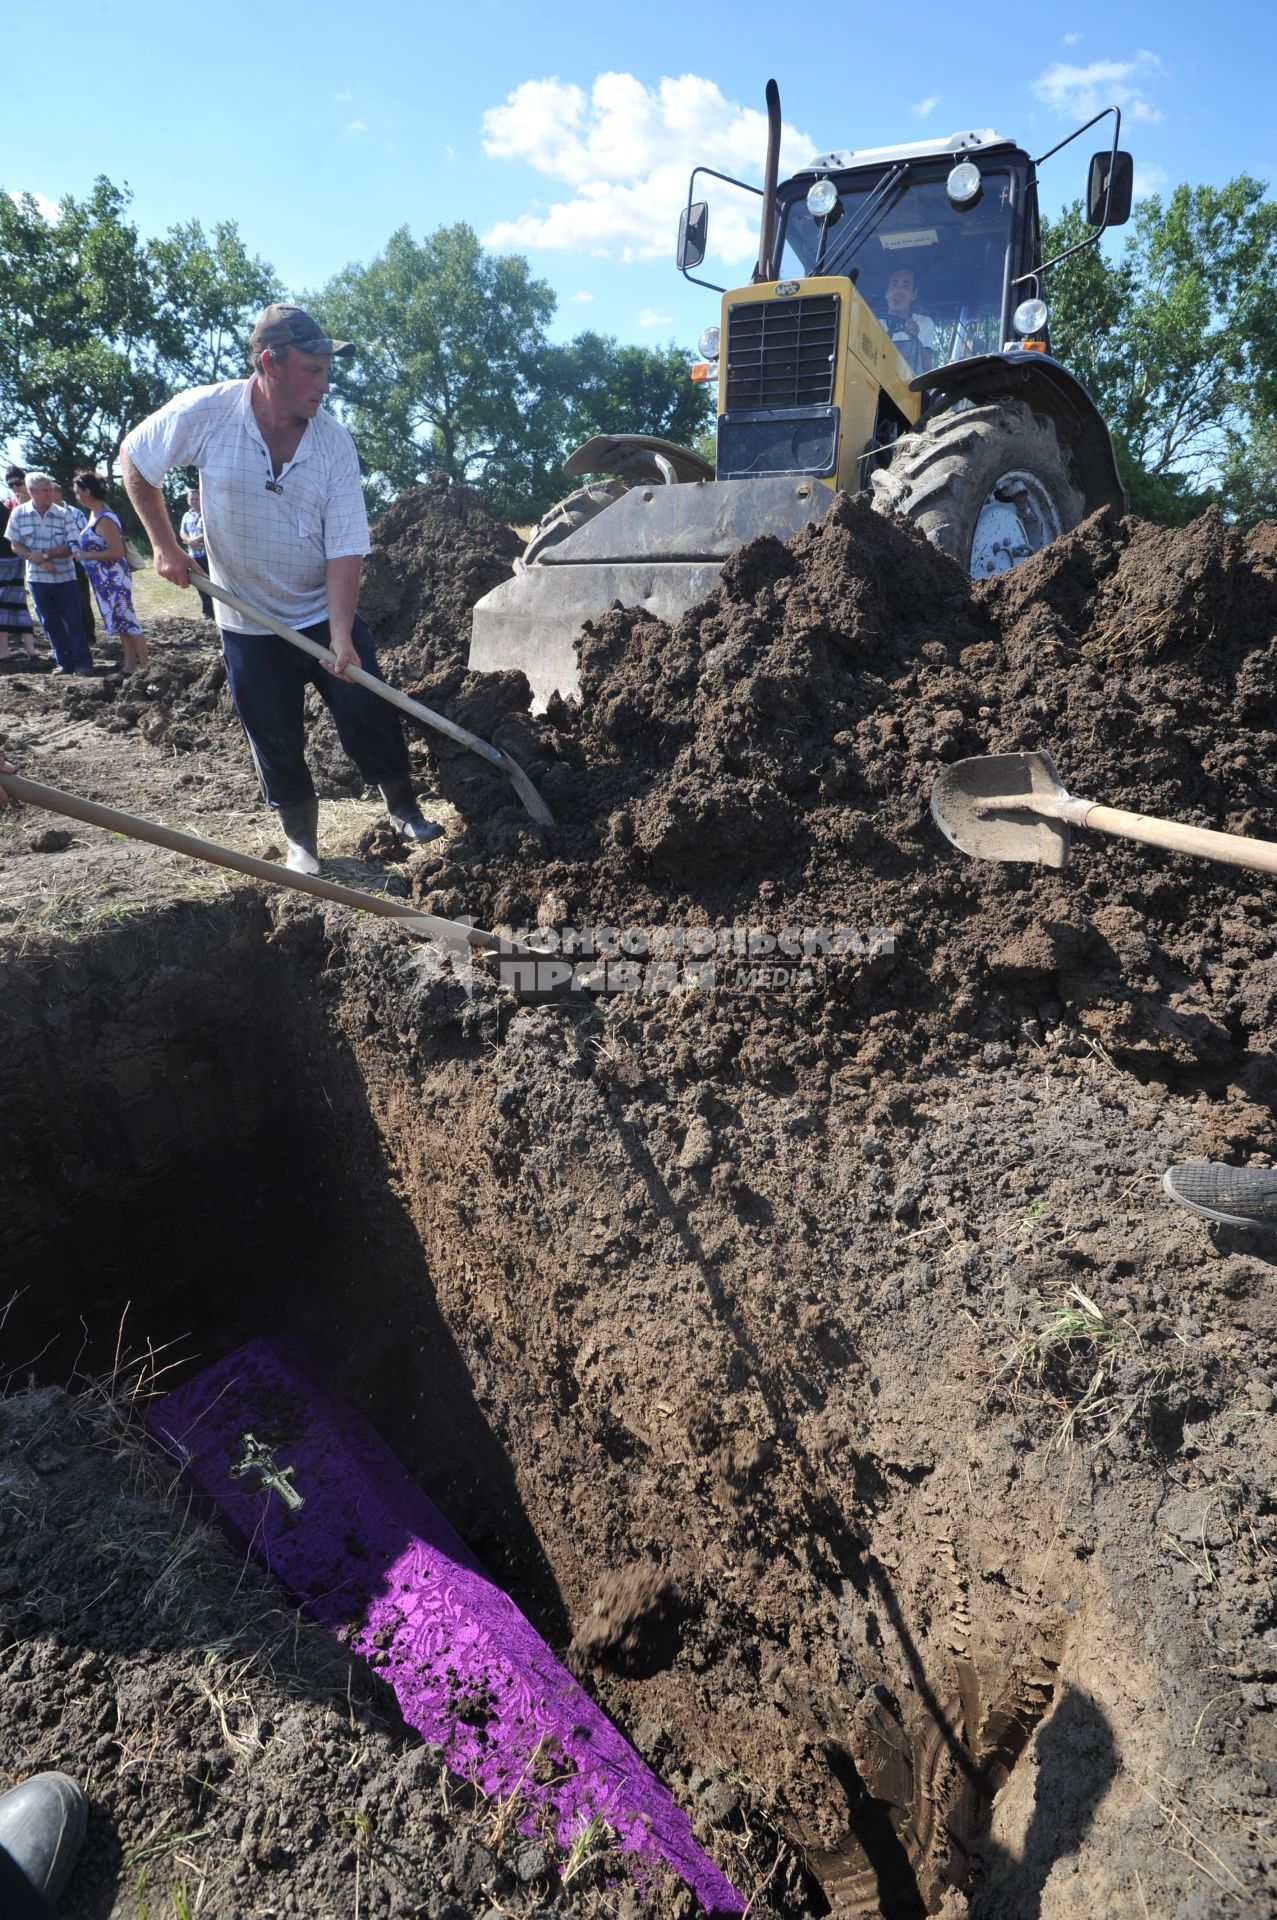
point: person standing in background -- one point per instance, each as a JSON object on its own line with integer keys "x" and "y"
{"x": 81, "y": 578}
{"x": 110, "y": 573}
{"x": 192, "y": 537}
{"x": 15, "y": 615}
{"x": 45, "y": 536}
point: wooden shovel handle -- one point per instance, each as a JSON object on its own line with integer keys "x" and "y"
{"x": 53, "y": 800}
{"x": 359, "y": 675}
{"x": 495, "y": 756}
{"x": 1233, "y": 848}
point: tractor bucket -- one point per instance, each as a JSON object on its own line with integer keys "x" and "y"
{"x": 658, "y": 547}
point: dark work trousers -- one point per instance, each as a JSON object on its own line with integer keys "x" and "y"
{"x": 206, "y": 605}
{"x": 268, "y": 680}
{"x": 86, "y": 604}
{"x": 58, "y": 604}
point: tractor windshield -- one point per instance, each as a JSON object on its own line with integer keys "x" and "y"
{"x": 936, "y": 275}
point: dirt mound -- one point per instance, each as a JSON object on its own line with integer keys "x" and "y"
{"x": 771, "y": 758}
{"x": 810, "y": 1346}
{"x": 435, "y": 551}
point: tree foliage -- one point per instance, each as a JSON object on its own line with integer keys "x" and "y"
{"x": 98, "y": 327}
{"x": 1176, "y": 340}
{"x": 208, "y": 291}
{"x": 455, "y": 373}
{"x": 451, "y": 345}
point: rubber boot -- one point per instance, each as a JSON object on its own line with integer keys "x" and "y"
{"x": 301, "y": 829}
{"x": 401, "y": 805}
{"x": 42, "y": 1825}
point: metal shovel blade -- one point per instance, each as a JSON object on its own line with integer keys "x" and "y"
{"x": 960, "y": 797}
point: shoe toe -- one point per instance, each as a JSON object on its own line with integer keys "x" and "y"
{"x": 42, "y": 1824}
{"x": 420, "y": 829}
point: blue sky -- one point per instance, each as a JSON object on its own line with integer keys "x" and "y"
{"x": 567, "y": 133}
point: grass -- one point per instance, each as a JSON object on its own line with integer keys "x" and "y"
{"x": 1092, "y": 1371}
{"x": 153, "y": 598}
{"x": 589, "y": 1845}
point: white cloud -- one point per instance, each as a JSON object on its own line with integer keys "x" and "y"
{"x": 624, "y": 152}
{"x": 649, "y": 317}
{"x": 50, "y": 210}
{"x": 1148, "y": 179}
{"x": 579, "y": 299}
{"x": 1078, "y": 92}
{"x": 1071, "y": 39}
{"x": 342, "y": 96}
{"x": 355, "y": 126}
{"x": 450, "y": 153}
{"x": 923, "y": 107}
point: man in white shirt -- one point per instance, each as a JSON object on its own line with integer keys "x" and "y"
{"x": 285, "y": 528}
{"x": 913, "y": 333}
{"x": 45, "y": 536}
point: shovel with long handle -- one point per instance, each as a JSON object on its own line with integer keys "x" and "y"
{"x": 1014, "y": 806}
{"x": 496, "y": 756}
{"x": 53, "y": 800}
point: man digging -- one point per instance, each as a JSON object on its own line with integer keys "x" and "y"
{"x": 285, "y": 527}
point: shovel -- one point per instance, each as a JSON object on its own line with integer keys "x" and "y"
{"x": 1014, "y": 806}
{"x": 449, "y": 932}
{"x": 496, "y": 756}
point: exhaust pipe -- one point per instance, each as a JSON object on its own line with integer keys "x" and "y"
{"x": 771, "y": 172}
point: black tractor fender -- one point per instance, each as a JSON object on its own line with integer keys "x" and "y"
{"x": 1050, "y": 388}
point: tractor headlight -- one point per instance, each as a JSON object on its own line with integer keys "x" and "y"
{"x": 707, "y": 345}
{"x": 963, "y": 184}
{"x": 1029, "y": 316}
{"x": 822, "y": 198}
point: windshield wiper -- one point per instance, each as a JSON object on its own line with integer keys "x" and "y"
{"x": 873, "y": 212}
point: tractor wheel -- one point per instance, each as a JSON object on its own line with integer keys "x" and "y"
{"x": 567, "y": 515}
{"x": 989, "y": 484}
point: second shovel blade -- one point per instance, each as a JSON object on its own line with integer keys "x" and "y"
{"x": 961, "y": 792}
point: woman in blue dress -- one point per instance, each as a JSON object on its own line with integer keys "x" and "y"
{"x": 103, "y": 559}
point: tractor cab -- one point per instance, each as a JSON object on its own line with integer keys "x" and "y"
{"x": 935, "y": 245}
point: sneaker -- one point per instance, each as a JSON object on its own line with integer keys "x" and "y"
{"x": 42, "y": 1825}
{"x": 1235, "y": 1196}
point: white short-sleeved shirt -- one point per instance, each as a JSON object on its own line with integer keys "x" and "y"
{"x": 42, "y": 532}
{"x": 270, "y": 544}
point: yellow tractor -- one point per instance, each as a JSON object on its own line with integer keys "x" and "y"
{"x": 893, "y": 341}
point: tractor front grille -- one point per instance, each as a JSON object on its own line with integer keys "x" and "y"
{"x": 780, "y": 353}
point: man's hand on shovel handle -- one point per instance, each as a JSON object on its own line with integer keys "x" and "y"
{"x": 344, "y": 654}
{"x": 172, "y": 565}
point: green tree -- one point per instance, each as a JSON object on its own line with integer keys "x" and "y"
{"x": 605, "y": 387}
{"x": 98, "y": 327}
{"x": 208, "y": 291}
{"x": 77, "y": 355}
{"x": 1177, "y": 341}
{"x": 455, "y": 373}
{"x": 448, "y": 374}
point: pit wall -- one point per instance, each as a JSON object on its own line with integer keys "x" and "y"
{"x": 224, "y": 1121}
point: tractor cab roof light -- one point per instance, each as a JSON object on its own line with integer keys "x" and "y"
{"x": 822, "y": 198}
{"x": 964, "y": 184}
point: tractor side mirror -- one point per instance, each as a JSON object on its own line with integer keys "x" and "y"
{"x": 1117, "y": 189}
{"x": 693, "y": 227}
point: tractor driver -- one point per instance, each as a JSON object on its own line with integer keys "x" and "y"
{"x": 912, "y": 333}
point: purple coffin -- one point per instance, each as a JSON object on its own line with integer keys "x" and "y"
{"x": 309, "y": 1486}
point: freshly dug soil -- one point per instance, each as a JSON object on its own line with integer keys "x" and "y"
{"x": 820, "y": 1362}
